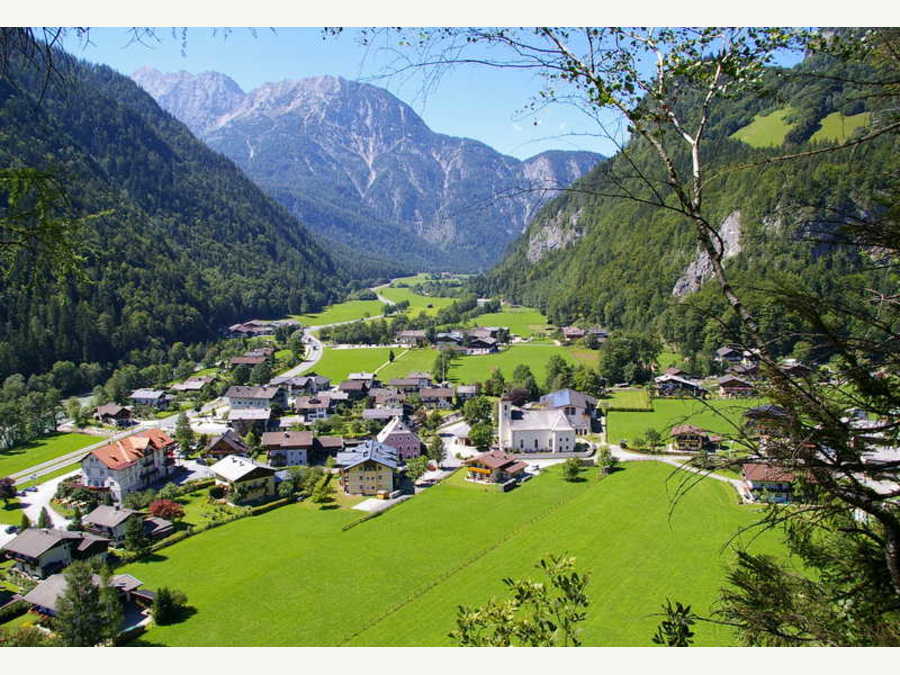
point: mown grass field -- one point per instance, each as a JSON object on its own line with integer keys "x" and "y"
{"x": 336, "y": 364}
{"x": 718, "y": 416}
{"x": 627, "y": 398}
{"x": 417, "y": 303}
{"x": 292, "y": 577}
{"x": 26, "y": 455}
{"x": 765, "y": 131}
{"x": 521, "y": 321}
{"x": 344, "y": 311}
{"x": 408, "y": 361}
{"x": 468, "y": 369}
{"x": 836, "y": 127}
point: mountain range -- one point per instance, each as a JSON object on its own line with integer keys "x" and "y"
{"x": 360, "y": 168}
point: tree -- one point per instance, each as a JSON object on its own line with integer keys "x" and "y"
{"x": 166, "y": 508}
{"x": 436, "y": 451}
{"x": 539, "y": 614}
{"x": 261, "y": 373}
{"x": 76, "y": 525}
{"x": 482, "y": 436}
{"x": 495, "y": 384}
{"x": 87, "y": 614}
{"x": 571, "y": 468}
{"x": 675, "y": 629}
{"x": 44, "y": 521}
{"x": 324, "y": 490}
{"x": 184, "y": 434}
{"x": 559, "y": 373}
{"x": 523, "y": 378}
{"x": 607, "y": 461}
{"x": 477, "y": 410}
{"x": 136, "y": 540}
{"x": 24, "y": 523}
{"x": 391, "y": 356}
{"x": 416, "y": 466}
{"x": 286, "y": 489}
{"x": 7, "y": 489}
{"x": 653, "y": 437}
{"x": 168, "y": 606}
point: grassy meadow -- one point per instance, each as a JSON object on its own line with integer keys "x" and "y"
{"x": 468, "y": 369}
{"x": 765, "y": 131}
{"x": 19, "y": 458}
{"x": 417, "y": 303}
{"x": 521, "y": 321}
{"x": 294, "y": 578}
{"x": 336, "y": 364}
{"x": 344, "y": 311}
{"x": 837, "y": 127}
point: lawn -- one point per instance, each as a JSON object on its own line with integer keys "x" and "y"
{"x": 50, "y": 447}
{"x": 627, "y": 398}
{"x": 409, "y": 361}
{"x": 345, "y": 311}
{"x": 336, "y": 364}
{"x": 713, "y": 415}
{"x": 468, "y": 369}
{"x": 670, "y": 360}
{"x": 765, "y": 131}
{"x": 837, "y": 128}
{"x": 521, "y": 321}
{"x": 417, "y": 303}
{"x": 294, "y": 578}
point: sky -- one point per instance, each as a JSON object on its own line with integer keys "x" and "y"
{"x": 471, "y": 101}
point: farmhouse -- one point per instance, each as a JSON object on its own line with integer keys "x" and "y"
{"x": 673, "y": 385}
{"x": 731, "y": 386}
{"x": 769, "y": 483}
{"x": 43, "y": 598}
{"x": 228, "y": 443}
{"x": 255, "y": 397}
{"x": 246, "y": 480}
{"x": 397, "y": 435}
{"x": 368, "y": 469}
{"x": 288, "y": 448}
{"x": 154, "y": 398}
{"x": 251, "y": 329}
{"x": 580, "y": 409}
{"x": 528, "y": 430}
{"x": 688, "y": 438}
{"x": 466, "y": 391}
{"x": 495, "y": 466}
{"x": 248, "y": 360}
{"x": 318, "y": 407}
{"x": 111, "y": 522}
{"x": 412, "y": 338}
{"x": 129, "y": 464}
{"x": 572, "y": 333}
{"x": 41, "y": 552}
{"x": 199, "y": 384}
{"x": 355, "y": 389}
{"x": 113, "y": 414}
{"x": 437, "y": 397}
{"x": 243, "y": 420}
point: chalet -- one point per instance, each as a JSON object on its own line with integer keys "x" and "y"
{"x": 355, "y": 389}
{"x": 676, "y": 372}
{"x": 195, "y": 385}
{"x": 383, "y": 414}
{"x": 255, "y": 397}
{"x": 288, "y": 448}
{"x": 407, "y": 384}
{"x": 111, "y": 522}
{"x": 466, "y": 391}
{"x": 673, "y": 385}
{"x": 154, "y": 398}
{"x": 368, "y": 469}
{"x": 226, "y": 444}
{"x": 729, "y": 355}
{"x": 318, "y": 407}
{"x": 113, "y": 414}
{"x": 769, "y": 483}
{"x": 688, "y": 438}
{"x": 768, "y": 423}
{"x": 129, "y": 464}
{"x": 267, "y": 352}
{"x": 599, "y": 334}
{"x": 387, "y": 397}
{"x": 437, "y": 397}
{"x": 731, "y": 386}
{"x": 399, "y": 436}
{"x": 243, "y": 420}
{"x": 39, "y": 553}
{"x": 479, "y": 345}
{"x": 44, "y": 597}
{"x": 412, "y": 338}
{"x": 495, "y": 466}
{"x": 749, "y": 371}
{"x": 246, "y": 480}
{"x": 580, "y": 409}
{"x": 529, "y": 430}
{"x": 251, "y": 329}
{"x": 369, "y": 378}
{"x": 299, "y": 385}
{"x": 793, "y": 368}
{"x": 424, "y": 379}
{"x": 449, "y": 340}
{"x": 245, "y": 360}
{"x": 571, "y": 333}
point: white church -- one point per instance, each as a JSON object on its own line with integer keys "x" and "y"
{"x": 534, "y": 430}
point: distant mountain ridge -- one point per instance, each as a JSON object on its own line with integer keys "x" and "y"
{"x": 361, "y": 168}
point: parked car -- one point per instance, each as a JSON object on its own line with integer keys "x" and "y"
{"x": 11, "y": 529}
{"x": 31, "y": 489}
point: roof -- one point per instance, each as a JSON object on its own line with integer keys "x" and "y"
{"x": 411, "y": 333}
{"x": 287, "y": 439}
{"x": 147, "y": 393}
{"x": 395, "y": 426}
{"x": 233, "y": 467}
{"x": 361, "y": 376}
{"x": 330, "y": 441}
{"x": 467, "y": 389}
{"x": 249, "y": 414}
{"x": 231, "y": 439}
{"x": 354, "y": 385}
{"x": 248, "y": 360}
{"x": 370, "y": 450}
{"x": 725, "y": 351}
{"x": 111, "y": 409}
{"x": 680, "y": 380}
{"x": 767, "y": 473}
{"x": 312, "y": 402}
{"x": 404, "y": 382}
{"x": 568, "y": 397}
{"x": 252, "y": 392}
{"x": 539, "y": 420}
{"x": 436, "y": 392}
{"x": 768, "y": 411}
{"x": 193, "y": 383}
{"x": 688, "y": 430}
{"x": 34, "y": 542}
{"x": 495, "y": 459}
{"x": 124, "y": 452}
{"x": 381, "y": 413}
{"x": 46, "y": 593}
{"x": 108, "y": 516}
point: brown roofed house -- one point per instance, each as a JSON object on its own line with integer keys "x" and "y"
{"x": 495, "y": 466}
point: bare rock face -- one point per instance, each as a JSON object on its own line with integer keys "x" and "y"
{"x": 700, "y": 270}
{"x": 359, "y": 165}
{"x": 556, "y": 233}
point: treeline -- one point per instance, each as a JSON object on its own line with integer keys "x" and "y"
{"x": 626, "y": 256}
{"x": 188, "y": 244}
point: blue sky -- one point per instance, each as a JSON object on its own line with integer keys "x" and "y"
{"x": 471, "y": 101}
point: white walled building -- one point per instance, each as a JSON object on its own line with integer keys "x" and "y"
{"x": 524, "y": 430}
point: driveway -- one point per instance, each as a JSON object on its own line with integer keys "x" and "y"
{"x": 35, "y": 501}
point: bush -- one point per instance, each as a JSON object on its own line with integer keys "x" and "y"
{"x": 168, "y": 606}
{"x": 166, "y": 508}
{"x": 217, "y": 491}
{"x": 12, "y": 610}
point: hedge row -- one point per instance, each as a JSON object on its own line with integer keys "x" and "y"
{"x": 11, "y": 610}
{"x": 265, "y": 508}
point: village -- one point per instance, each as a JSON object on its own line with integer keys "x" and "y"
{"x": 366, "y": 442}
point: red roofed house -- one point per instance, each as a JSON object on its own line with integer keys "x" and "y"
{"x": 769, "y": 483}
{"x": 495, "y": 466}
{"x": 129, "y": 464}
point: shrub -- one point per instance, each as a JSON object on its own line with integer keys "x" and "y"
{"x": 217, "y": 491}
{"x": 166, "y": 508}
{"x": 168, "y": 606}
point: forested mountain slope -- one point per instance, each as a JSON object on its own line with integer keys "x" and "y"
{"x": 190, "y": 245}
{"x": 596, "y": 256}
{"x": 361, "y": 168}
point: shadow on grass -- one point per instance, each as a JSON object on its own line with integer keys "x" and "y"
{"x": 17, "y": 506}
{"x": 577, "y": 479}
